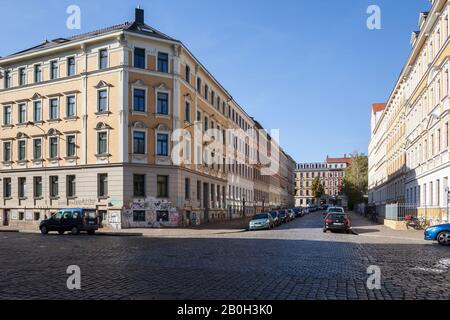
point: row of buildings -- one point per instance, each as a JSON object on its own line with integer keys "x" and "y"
{"x": 126, "y": 121}
{"x": 331, "y": 174}
{"x": 409, "y": 158}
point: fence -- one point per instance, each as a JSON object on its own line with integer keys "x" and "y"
{"x": 399, "y": 211}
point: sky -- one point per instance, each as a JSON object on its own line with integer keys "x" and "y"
{"x": 309, "y": 68}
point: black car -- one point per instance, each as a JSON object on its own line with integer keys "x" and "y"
{"x": 73, "y": 220}
{"x": 337, "y": 222}
{"x": 298, "y": 212}
{"x": 276, "y": 218}
{"x": 284, "y": 217}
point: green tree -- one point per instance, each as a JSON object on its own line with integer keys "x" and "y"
{"x": 317, "y": 188}
{"x": 355, "y": 181}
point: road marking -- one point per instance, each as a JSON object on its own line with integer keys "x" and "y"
{"x": 441, "y": 267}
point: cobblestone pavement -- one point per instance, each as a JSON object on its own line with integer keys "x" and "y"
{"x": 296, "y": 261}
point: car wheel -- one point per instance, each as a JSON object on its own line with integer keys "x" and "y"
{"x": 44, "y": 230}
{"x": 443, "y": 238}
{"x": 61, "y": 232}
{"x": 75, "y": 231}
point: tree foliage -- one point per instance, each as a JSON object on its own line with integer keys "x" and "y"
{"x": 317, "y": 188}
{"x": 355, "y": 181}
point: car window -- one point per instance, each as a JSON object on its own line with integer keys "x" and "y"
{"x": 261, "y": 216}
{"x": 90, "y": 214}
{"x": 76, "y": 214}
{"x": 57, "y": 216}
{"x": 67, "y": 215}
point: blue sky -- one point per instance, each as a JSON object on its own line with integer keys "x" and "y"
{"x": 309, "y": 68}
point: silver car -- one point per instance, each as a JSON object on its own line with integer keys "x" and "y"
{"x": 262, "y": 221}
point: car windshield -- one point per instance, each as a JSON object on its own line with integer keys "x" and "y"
{"x": 336, "y": 216}
{"x": 337, "y": 210}
{"x": 260, "y": 216}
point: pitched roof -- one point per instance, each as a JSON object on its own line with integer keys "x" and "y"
{"x": 339, "y": 160}
{"x": 134, "y": 27}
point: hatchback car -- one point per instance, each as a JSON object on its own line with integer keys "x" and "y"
{"x": 262, "y": 221}
{"x": 334, "y": 210}
{"x": 291, "y": 214}
{"x": 337, "y": 222}
{"x": 73, "y": 220}
{"x": 284, "y": 217}
{"x": 439, "y": 233}
{"x": 298, "y": 212}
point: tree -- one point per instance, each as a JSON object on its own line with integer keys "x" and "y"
{"x": 317, "y": 188}
{"x": 355, "y": 183}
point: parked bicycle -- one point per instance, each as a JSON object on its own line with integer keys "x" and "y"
{"x": 416, "y": 223}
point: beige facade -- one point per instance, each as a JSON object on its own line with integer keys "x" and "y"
{"x": 331, "y": 174}
{"x": 120, "y": 120}
{"x": 409, "y": 151}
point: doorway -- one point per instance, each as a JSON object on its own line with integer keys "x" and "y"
{"x": 6, "y": 217}
{"x": 206, "y": 201}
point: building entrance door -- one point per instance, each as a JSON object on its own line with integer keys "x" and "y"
{"x": 206, "y": 201}
{"x": 6, "y": 217}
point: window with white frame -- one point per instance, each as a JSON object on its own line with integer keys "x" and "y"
{"x": 7, "y": 116}
{"x": 139, "y": 100}
{"x": 54, "y": 109}
{"x": 102, "y": 101}
{"x": 139, "y": 142}
{"x": 102, "y": 142}
{"x": 53, "y": 147}
{"x": 22, "y": 150}
{"x": 162, "y": 103}
{"x": 71, "y": 107}
{"x": 22, "y": 110}
{"x": 37, "y": 111}
{"x": 7, "y": 151}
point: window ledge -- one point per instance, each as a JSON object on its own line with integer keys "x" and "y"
{"x": 22, "y": 161}
{"x": 23, "y": 198}
{"x": 103, "y": 113}
{"x": 38, "y": 198}
{"x": 7, "y": 126}
{"x": 38, "y": 160}
{"x": 7, "y": 198}
{"x": 38, "y": 122}
{"x": 54, "y": 159}
{"x": 139, "y": 113}
{"x": 103, "y": 198}
{"x": 104, "y": 155}
{"x": 21, "y": 125}
{"x": 71, "y": 158}
{"x": 55, "y": 198}
{"x": 73, "y": 118}
{"x": 7, "y": 162}
{"x": 54, "y": 120}
{"x": 161, "y": 115}
{"x": 72, "y": 198}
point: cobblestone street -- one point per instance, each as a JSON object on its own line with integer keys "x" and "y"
{"x": 295, "y": 261}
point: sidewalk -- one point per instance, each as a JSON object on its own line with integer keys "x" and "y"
{"x": 364, "y": 227}
{"x": 214, "y": 228}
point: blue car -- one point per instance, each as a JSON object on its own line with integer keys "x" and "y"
{"x": 440, "y": 233}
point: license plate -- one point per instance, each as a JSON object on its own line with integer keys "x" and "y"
{"x": 338, "y": 224}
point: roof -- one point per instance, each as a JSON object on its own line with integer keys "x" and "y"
{"x": 134, "y": 27}
{"x": 339, "y": 160}
{"x": 378, "y": 107}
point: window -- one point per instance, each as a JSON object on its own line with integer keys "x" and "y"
{"x": 71, "y": 107}
{"x": 70, "y": 66}
{"x": 199, "y": 85}
{"x": 7, "y": 151}
{"x": 206, "y": 92}
{"x": 22, "y": 77}
{"x": 163, "y": 62}
{"x": 163, "y": 103}
{"x": 187, "y": 76}
{"x": 102, "y": 142}
{"x": 199, "y": 190}
{"x": 446, "y": 144}
{"x": 37, "y": 111}
{"x": 206, "y": 124}
{"x": 139, "y": 100}
{"x": 103, "y": 59}
{"x": 103, "y": 185}
{"x": 71, "y": 186}
{"x": 54, "y": 187}
{"x": 187, "y": 112}
{"x": 7, "y": 119}
{"x": 37, "y": 149}
{"x": 22, "y": 113}
{"x": 53, "y": 141}
{"x": 22, "y": 184}
{"x": 162, "y": 186}
{"x": 139, "y": 185}
{"x": 7, "y": 188}
{"x": 37, "y": 73}
{"x": 54, "y": 109}
{"x": 54, "y": 70}
{"x": 163, "y": 144}
{"x": 7, "y": 79}
{"x": 37, "y": 187}
{"x": 139, "y": 216}
{"x": 187, "y": 188}
{"x": 22, "y": 150}
{"x": 102, "y": 101}
{"x": 139, "y": 142}
{"x": 162, "y": 216}
{"x": 139, "y": 58}
{"x": 71, "y": 146}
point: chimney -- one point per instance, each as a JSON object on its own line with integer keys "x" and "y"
{"x": 139, "y": 16}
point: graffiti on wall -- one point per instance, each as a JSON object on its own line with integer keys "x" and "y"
{"x": 150, "y": 213}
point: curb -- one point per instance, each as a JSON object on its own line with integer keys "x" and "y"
{"x": 9, "y": 231}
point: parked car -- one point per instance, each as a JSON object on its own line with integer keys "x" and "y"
{"x": 73, "y": 220}
{"x": 262, "y": 221}
{"x": 337, "y": 222}
{"x": 284, "y": 218}
{"x": 439, "y": 233}
{"x": 334, "y": 210}
{"x": 276, "y": 218}
{"x": 291, "y": 214}
{"x": 324, "y": 207}
{"x": 298, "y": 212}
